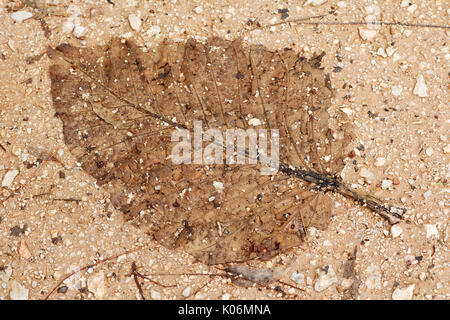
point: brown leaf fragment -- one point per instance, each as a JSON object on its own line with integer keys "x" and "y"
{"x": 119, "y": 107}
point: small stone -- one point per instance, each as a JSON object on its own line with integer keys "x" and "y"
{"x": 314, "y": 2}
{"x": 429, "y": 152}
{"x": 153, "y": 30}
{"x": 298, "y": 277}
{"x": 396, "y": 91}
{"x": 18, "y": 292}
{"x": 421, "y": 88}
{"x": 367, "y": 34}
{"x": 326, "y": 277}
{"x": 24, "y": 252}
{"x": 396, "y": 231}
{"x": 405, "y": 3}
{"x": 403, "y": 293}
{"x": 20, "y": 16}
{"x": 346, "y": 284}
{"x": 5, "y": 274}
{"x": 79, "y": 31}
{"x": 365, "y": 173}
{"x": 341, "y": 4}
{"x": 447, "y": 149}
{"x": 427, "y": 194}
{"x": 373, "y": 281}
{"x": 390, "y": 51}
{"x": 198, "y": 9}
{"x": 431, "y": 231}
{"x": 218, "y": 186}
{"x": 254, "y": 122}
{"x": 379, "y": 162}
{"x": 226, "y": 296}
{"x": 9, "y": 178}
{"x": 68, "y": 27}
{"x": 96, "y": 284}
{"x": 135, "y": 22}
{"x": 386, "y": 184}
{"x": 62, "y": 289}
{"x": 186, "y": 292}
{"x": 412, "y": 8}
{"x": 155, "y": 295}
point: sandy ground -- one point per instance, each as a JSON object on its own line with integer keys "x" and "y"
{"x": 402, "y": 137}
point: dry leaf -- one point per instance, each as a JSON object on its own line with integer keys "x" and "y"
{"x": 119, "y": 107}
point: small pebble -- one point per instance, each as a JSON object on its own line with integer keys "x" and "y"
{"x": 379, "y": 162}
{"x": 373, "y": 280}
{"x": 9, "y": 178}
{"x": 421, "y": 88}
{"x": 326, "y": 277}
{"x": 135, "y": 22}
{"x": 298, "y": 277}
{"x": 314, "y": 2}
{"x": 396, "y": 231}
{"x": 20, "y": 16}
{"x": 341, "y": 4}
{"x": 18, "y": 292}
{"x": 186, "y": 292}
{"x": 153, "y": 30}
{"x": 386, "y": 184}
{"x": 79, "y": 31}
{"x": 397, "y": 91}
{"x": 431, "y": 231}
{"x": 367, "y": 34}
{"x": 155, "y": 295}
{"x": 68, "y": 27}
{"x": 198, "y": 9}
{"x": 403, "y": 293}
{"x": 96, "y": 284}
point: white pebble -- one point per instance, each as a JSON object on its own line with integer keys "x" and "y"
{"x": 79, "y": 31}
{"x": 403, "y": 293}
{"x": 9, "y": 178}
{"x": 405, "y": 3}
{"x": 367, "y": 34}
{"x": 396, "y": 231}
{"x": 380, "y": 162}
{"x": 373, "y": 280}
{"x": 155, "y": 295}
{"x": 431, "y": 231}
{"x": 396, "y": 91}
{"x": 298, "y": 277}
{"x": 427, "y": 194}
{"x": 254, "y": 122}
{"x": 198, "y": 9}
{"x": 218, "y": 185}
{"x": 18, "y": 292}
{"x": 96, "y": 285}
{"x": 68, "y": 27}
{"x": 135, "y": 22}
{"x": 341, "y": 4}
{"x": 365, "y": 173}
{"x": 386, "y": 184}
{"x": 186, "y": 292}
{"x": 412, "y": 8}
{"x": 153, "y": 30}
{"x": 326, "y": 277}
{"x": 421, "y": 88}
{"x": 390, "y": 51}
{"x": 20, "y": 16}
{"x": 314, "y": 2}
